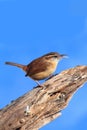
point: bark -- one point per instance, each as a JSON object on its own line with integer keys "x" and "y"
{"x": 43, "y": 104}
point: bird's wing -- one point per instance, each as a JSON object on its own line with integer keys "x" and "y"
{"x": 36, "y": 66}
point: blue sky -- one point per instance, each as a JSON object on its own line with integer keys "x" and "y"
{"x": 29, "y": 29}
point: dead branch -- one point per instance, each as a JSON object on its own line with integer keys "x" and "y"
{"x": 43, "y": 104}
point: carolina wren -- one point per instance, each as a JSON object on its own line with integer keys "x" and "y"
{"x": 41, "y": 67}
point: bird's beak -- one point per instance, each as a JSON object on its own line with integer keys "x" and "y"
{"x": 64, "y": 56}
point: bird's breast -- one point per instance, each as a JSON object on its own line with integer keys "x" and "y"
{"x": 51, "y": 67}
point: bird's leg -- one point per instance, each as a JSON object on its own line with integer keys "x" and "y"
{"x": 39, "y": 85}
{"x": 52, "y": 75}
{"x": 37, "y": 82}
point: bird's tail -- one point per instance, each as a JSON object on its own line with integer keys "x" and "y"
{"x": 24, "y": 67}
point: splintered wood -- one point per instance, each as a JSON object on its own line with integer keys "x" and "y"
{"x": 43, "y": 104}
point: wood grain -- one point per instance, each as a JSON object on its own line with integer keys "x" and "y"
{"x": 43, "y": 104}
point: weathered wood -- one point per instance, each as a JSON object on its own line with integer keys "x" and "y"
{"x": 43, "y": 104}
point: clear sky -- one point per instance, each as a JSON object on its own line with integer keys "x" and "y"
{"x": 31, "y": 28}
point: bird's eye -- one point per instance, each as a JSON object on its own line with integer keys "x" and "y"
{"x": 55, "y": 56}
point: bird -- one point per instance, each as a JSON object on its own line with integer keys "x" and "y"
{"x": 42, "y": 67}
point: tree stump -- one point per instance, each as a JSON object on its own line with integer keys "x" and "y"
{"x": 43, "y": 104}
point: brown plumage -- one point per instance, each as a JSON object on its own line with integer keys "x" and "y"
{"x": 41, "y": 67}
